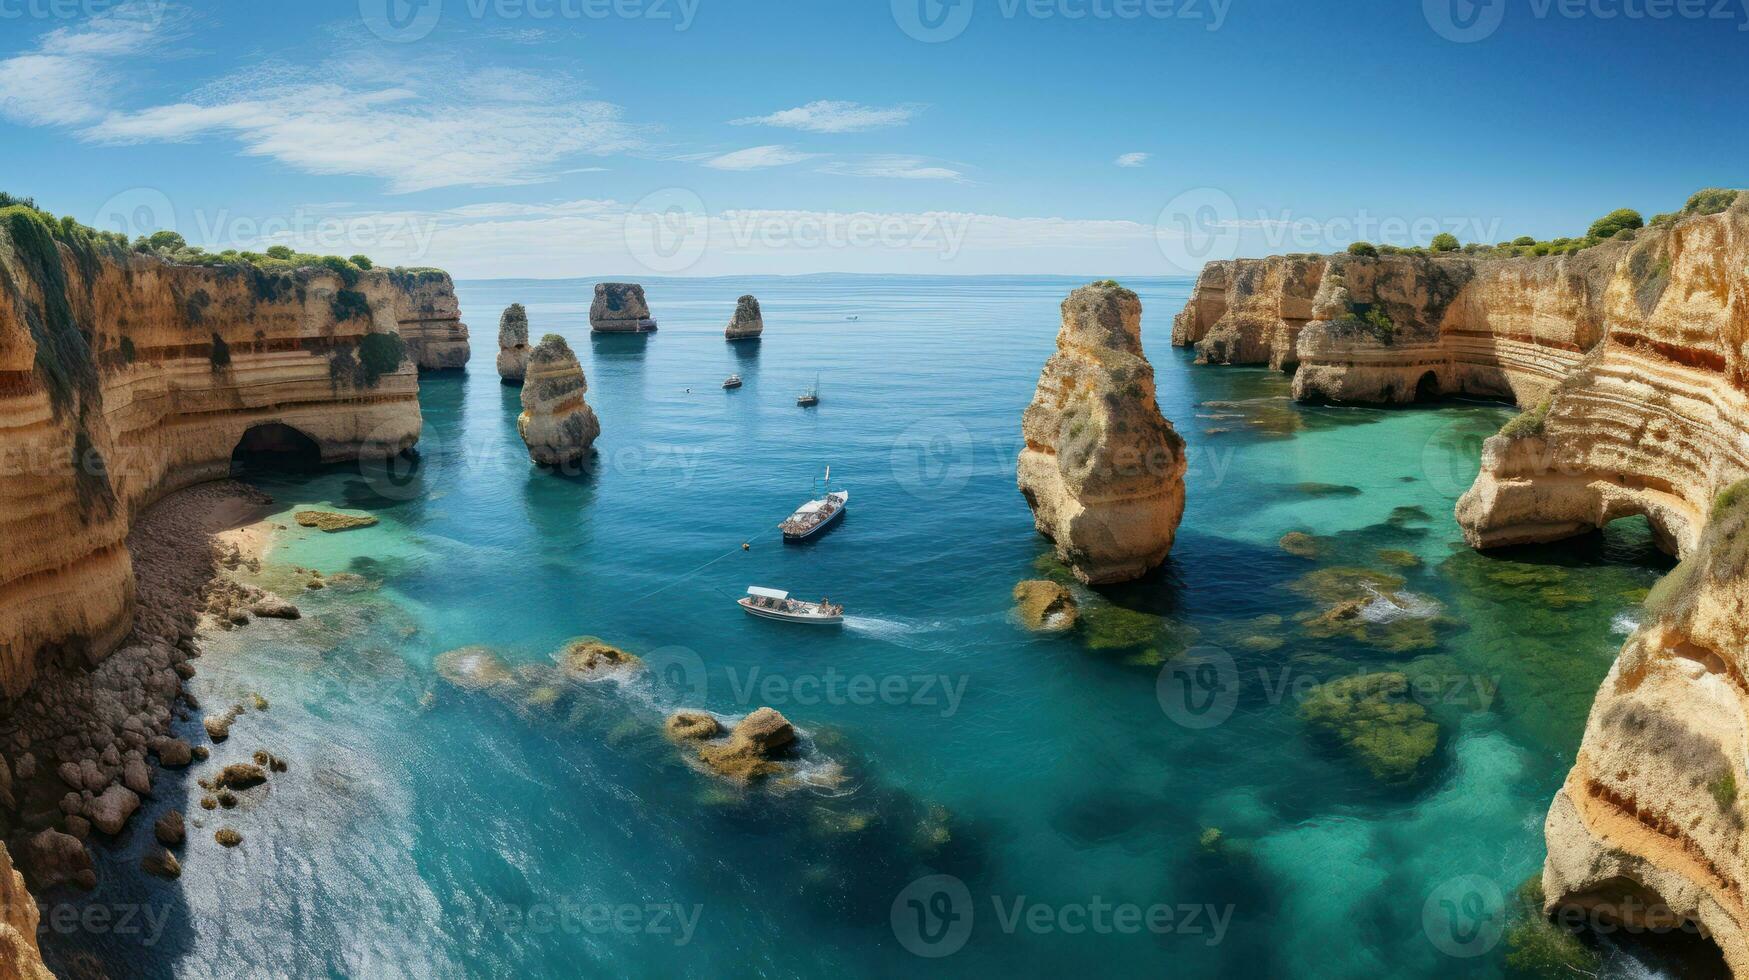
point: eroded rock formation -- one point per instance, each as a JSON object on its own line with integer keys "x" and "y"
{"x": 1402, "y": 328}
{"x": 747, "y": 323}
{"x": 1102, "y": 469}
{"x": 556, "y": 423}
{"x": 619, "y": 307}
{"x": 513, "y": 344}
{"x": 1631, "y": 361}
{"x": 20, "y": 959}
{"x": 429, "y": 319}
{"x": 124, "y": 377}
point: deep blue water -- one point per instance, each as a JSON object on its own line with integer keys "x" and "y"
{"x": 424, "y": 830}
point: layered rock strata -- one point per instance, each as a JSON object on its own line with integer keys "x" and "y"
{"x": 1403, "y": 328}
{"x": 1653, "y": 420}
{"x": 124, "y": 377}
{"x": 619, "y": 307}
{"x": 513, "y": 344}
{"x": 430, "y": 320}
{"x": 1631, "y": 360}
{"x": 1102, "y": 469}
{"x": 556, "y": 423}
{"x": 746, "y": 324}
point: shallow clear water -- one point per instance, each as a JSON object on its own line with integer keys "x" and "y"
{"x": 425, "y": 830}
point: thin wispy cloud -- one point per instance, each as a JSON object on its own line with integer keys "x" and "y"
{"x": 69, "y": 76}
{"x": 1131, "y": 159}
{"x": 416, "y": 124}
{"x": 758, "y": 158}
{"x": 894, "y": 166}
{"x": 829, "y": 116}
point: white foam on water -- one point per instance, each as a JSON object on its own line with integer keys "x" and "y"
{"x": 1398, "y": 605}
{"x": 1624, "y": 623}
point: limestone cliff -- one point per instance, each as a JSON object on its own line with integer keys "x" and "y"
{"x": 1401, "y": 328}
{"x": 1631, "y": 360}
{"x": 20, "y": 959}
{"x": 556, "y": 423}
{"x": 1653, "y": 421}
{"x": 124, "y": 376}
{"x": 513, "y": 344}
{"x": 429, "y": 320}
{"x": 1102, "y": 470}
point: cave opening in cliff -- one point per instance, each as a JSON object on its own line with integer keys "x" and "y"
{"x": 1427, "y": 389}
{"x": 275, "y": 447}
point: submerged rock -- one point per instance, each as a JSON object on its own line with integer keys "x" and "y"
{"x": 619, "y": 307}
{"x": 1301, "y": 545}
{"x": 1373, "y": 717}
{"x": 329, "y": 521}
{"x": 751, "y": 750}
{"x": 227, "y": 837}
{"x": 513, "y": 344}
{"x": 474, "y": 668}
{"x": 688, "y": 725}
{"x": 747, "y": 323}
{"x": 556, "y": 423}
{"x": 1102, "y": 470}
{"x": 589, "y": 655}
{"x": 1045, "y": 607}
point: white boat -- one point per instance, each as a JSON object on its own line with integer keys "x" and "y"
{"x": 818, "y": 514}
{"x": 777, "y": 604}
{"x": 732, "y": 381}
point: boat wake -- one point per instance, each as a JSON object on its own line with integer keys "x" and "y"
{"x": 914, "y": 633}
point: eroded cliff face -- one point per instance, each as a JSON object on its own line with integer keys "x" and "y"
{"x": 1102, "y": 469}
{"x": 1401, "y": 328}
{"x": 1632, "y": 362}
{"x": 1653, "y": 421}
{"x": 430, "y": 320}
{"x": 556, "y": 423}
{"x": 124, "y": 377}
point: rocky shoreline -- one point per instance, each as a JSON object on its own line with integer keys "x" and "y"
{"x": 89, "y": 743}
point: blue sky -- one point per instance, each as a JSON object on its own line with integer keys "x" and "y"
{"x": 1102, "y": 137}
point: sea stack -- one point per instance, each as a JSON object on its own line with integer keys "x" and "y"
{"x": 513, "y": 344}
{"x": 1102, "y": 469}
{"x": 746, "y": 324}
{"x": 556, "y": 423}
{"x": 619, "y": 307}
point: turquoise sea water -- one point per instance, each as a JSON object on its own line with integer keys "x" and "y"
{"x": 1064, "y": 785}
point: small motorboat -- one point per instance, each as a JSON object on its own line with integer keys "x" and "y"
{"x": 817, "y": 514}
{"x": 777, "y": 604}
{"x": 732, "y": 381}
{"x": 851, "y": 317}
{"x": 810, "y": 397}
